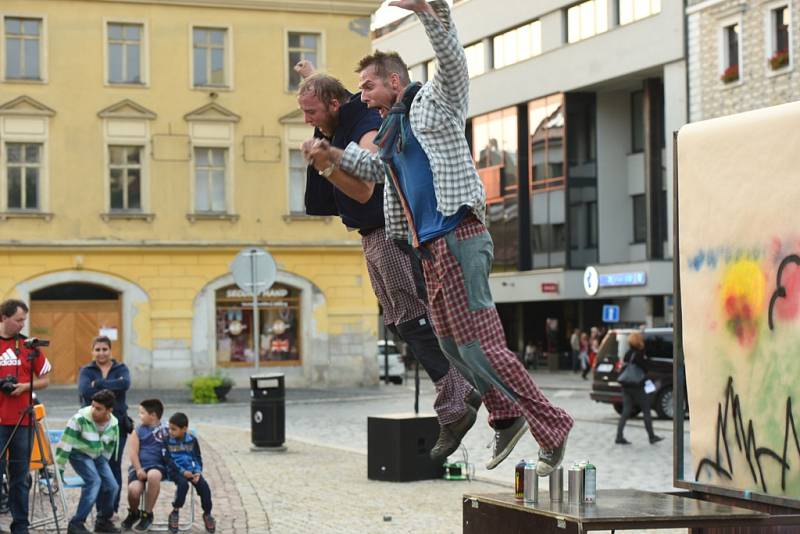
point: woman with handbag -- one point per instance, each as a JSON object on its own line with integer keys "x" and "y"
{"x": 104, "y": 372}
{"x": 632, "y": 379}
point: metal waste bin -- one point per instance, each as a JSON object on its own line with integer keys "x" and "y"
{"x": 267, "y": 410}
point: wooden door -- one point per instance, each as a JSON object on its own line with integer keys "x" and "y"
{"x": 70, "y": 325}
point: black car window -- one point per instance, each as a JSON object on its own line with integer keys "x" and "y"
{"x": 658, "y": 345}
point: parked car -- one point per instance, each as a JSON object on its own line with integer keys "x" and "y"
{"x": 657, "y": 347}
{"x": 397, "y": 368}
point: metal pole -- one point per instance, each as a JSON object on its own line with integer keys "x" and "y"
{"x": 256, "y": 334}
{"x": 385, "y": 354}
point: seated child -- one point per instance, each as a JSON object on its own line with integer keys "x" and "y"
{"x": 90, "y": 439}
{"x": 147, "y": 464}
{"x": 185, "y": 465}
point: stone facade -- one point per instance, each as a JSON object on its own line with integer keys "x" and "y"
{"x": 758, "y": 86}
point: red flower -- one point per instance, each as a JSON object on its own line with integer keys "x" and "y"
{"x": 731, "y": 74}
{"x": 779, "y": 59}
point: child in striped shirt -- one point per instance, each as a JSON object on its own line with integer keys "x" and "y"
{"x": 89, "y": 441}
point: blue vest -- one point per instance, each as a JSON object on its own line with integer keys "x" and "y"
{"x": 416, "y": 181}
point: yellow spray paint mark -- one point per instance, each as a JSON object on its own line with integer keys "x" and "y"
{"x": 742, "y": 300}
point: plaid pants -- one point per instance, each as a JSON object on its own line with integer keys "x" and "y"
{"x": 465, "y": 320}
{"x": 392, "y": 280}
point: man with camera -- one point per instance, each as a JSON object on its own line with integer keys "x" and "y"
{"x": 19, "y": 358}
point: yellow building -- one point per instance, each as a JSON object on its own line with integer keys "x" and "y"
{"x": 143, "y": 143}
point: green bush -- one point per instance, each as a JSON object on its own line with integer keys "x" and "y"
{"x": 203, "y": 389}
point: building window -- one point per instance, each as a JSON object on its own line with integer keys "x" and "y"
{"x": 633, "y": 10}
{"x": 302, "y": 46}
{"x": 23, "y": 48}
{"x": 476, "y": 59}
{"x": 209, "y": 183}
{"x": 779, "y": 45}
{"x": 517, "y": 45}
{"x": 591, "y": 225}
{"x": 587, "y": 19}
{"x": 496, "y": 154}
{"x": 23, "y": 172}
{"x": 209, "y": 46}
{"x": 639, "y": 219}
{"x": 125, "y": 53}
{"x": 297, "y": 181}
{"x": 730, "y": 53}
{"x": 125, "y": 178}
{"x": 278, "y": 325}
{"x": 637, "y": 121}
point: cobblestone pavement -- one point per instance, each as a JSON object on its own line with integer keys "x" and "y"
{"x": 319, "y": 485}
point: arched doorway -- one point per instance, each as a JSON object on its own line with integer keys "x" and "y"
{"x": 70, "y": 315}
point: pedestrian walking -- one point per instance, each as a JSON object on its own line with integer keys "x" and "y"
{"x": 575, "y": 349}
{"x": 632, "y": 378}
{"x": 435, "y": 199}
{"x": 584, "y": 354}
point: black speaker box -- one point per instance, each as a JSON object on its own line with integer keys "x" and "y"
{"x": 398, "y": 447}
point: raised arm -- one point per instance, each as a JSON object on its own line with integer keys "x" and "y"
{"x": 451, "y": 80}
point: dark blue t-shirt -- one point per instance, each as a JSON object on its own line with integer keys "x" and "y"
{"x": 322, "y": 197}
{"x": 416, "y": 181}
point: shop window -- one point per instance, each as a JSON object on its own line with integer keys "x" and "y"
{"x": 278, "y": 322}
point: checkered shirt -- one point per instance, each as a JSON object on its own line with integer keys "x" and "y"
{"x": 438, "y": 116}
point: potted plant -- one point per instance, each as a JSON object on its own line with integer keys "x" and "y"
{"x": 731, "y": 74}
{"x": 779, "y": 59}
{"x": 224, "y": 387}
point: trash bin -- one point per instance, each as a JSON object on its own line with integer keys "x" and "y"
{"x": 267, "y": 410}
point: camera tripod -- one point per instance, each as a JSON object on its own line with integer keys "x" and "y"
{"x": 32, "y": 429}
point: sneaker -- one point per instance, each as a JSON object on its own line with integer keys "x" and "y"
{"x": 77, "y": 528}
{"x": 174, "y": 521}
{"x": 450, "y": 435}
{"x": 144, "y": 523}
{"x": 106, "y": 525}
{"x": 655, "y": 439}
{"x": 505, "y": 440}
{"x": 549, "y": 459}
{"x": 130, "y": 519}
{"x": 474, "y": 399}
{"x": 622, "y": 441}
{"x": 210, "y": 523}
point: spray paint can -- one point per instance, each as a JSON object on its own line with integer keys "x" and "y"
{"x": 531, "y": 481}
{"x": 557, "y": 485}
{"x": 575, "y": 484}
{"x": 519, "y": 480}
{"x": 589, "y": 484}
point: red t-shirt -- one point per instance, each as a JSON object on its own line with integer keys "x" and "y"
{"x": 14, "y": 362}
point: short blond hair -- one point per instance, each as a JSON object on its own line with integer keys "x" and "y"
{"x": 325, "y": 87}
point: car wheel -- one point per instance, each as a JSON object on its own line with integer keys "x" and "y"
{"x": 396, "y": 380}
{"x": 664, "y": 404}
{"x": 618, "y": 408}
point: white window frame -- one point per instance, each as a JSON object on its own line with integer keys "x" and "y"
{"x": 769, "y": 37}
{"x": 595, "y": 30}
{"x": 144, "y": 53}
{"x": 321, "y": 53}
{"x": 289, "y": 210}
{"x": 722, "y": 47}
{"x": 43, "y": 55}
{"x": 44, "y": 169}
{"x": 229, "y": 159}
{"x": 651, "y": 12}
{"x": 229, "y": 75}
{"x": 515, "y": 31}
{"x": 144, "y": 182}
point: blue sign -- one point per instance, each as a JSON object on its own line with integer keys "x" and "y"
{"x": 610, "y": 313}
{"x": 638, "y": 278}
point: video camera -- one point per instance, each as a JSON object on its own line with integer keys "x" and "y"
{"x": 35, "y": 342}
{"x": 8, "y": 384}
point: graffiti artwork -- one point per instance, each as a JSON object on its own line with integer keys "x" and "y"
{"x": 739, "y": 253}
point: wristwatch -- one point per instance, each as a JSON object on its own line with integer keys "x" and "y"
{"x": 327, "y": 171}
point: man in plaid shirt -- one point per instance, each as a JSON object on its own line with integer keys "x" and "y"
{"x": 435, "y": 199}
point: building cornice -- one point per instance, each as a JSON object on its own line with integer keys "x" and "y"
{"x": 335, "y": 7}
{"x": 139, "y": 245}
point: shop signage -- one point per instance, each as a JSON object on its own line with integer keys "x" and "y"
{"x": 549, "y": 287}
{"x": 590, "y": 281}
{"x": 638, "y": 278}
{"x": 610, "y": 313}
